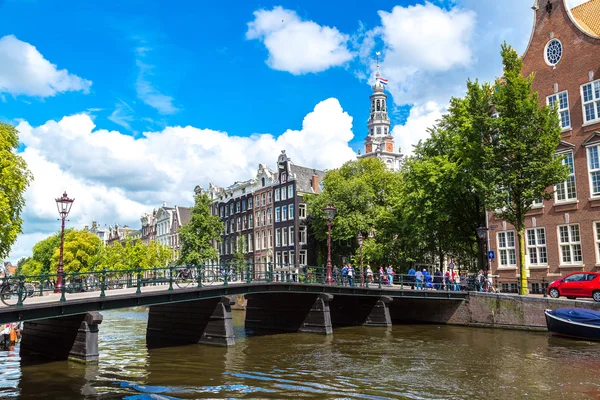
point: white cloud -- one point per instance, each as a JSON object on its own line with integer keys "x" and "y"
{"x": 115, "y": 178}
{"x": 298, "y": 46}
{"x": 146, "y": 90}
{"x": 421, "y": 118}
{"x": 24, "y": 71}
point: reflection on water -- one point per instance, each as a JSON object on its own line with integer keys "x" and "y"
{"x": 411, "y": 362}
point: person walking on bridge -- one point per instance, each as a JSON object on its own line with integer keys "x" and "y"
{"x": 419, "y": 280}
{"x": 411, "y": 277}
{"x": 350, "y": 275}
{"x": 390, "y": 274}
{"x": 344, "y": 274}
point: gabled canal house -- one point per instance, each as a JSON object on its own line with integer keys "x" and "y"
{"x": 563, "y": 234}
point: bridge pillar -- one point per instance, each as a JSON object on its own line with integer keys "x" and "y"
{"x": 206, "y": 321}
{"x": 289, "y": 312}
{"x": 74, "y": 337}
{"x": 360, "y": 310}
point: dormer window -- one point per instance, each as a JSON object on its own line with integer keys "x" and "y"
{"x": 283, "y": 177}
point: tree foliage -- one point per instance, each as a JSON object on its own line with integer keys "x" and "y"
{"x": 521, "y": 160}
{"x": 14, "y": 180}
{"x": 80, "y": 251}
{"x": 199, "y": 234}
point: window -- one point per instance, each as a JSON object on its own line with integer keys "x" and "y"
{"x": 553, "y": 52}
{"x": 302, "y": 211}
{"x": 244, "y": 205}
{"x": 570, "y": 244}
{"x": 284, "y": 237}
{"x": 290, "y": 191}
{"x": 594, "y": 170}
{"x": 263, "y": 199}
{"x": 238, "y": 207}
{"x": 270, "y": 240}
{"x": 264, "y": 218}
{"x": 291, "y": 211}
{"x": 232, "y": 223}
{"x": 251, "y": 221}
{"x": 286, "y": 258}
{"x": 291, "y": 241}
{"x": 575, "y": 278}
{"x": 302, "y": 257}
{"x": 257, "y": 219}
{"x": 269, "y": 198}
{"x": 257, "y": 238}
{"x": 536, "y": 246}
{"x": 222, "y": 211}
{"x": 277, "y": 237}
{"x": 264, "y": 240}
{"x": 283, "y": 177}
{"x": 250, "y": 242}
{"x": 590, "y": 94}
{"x": 231, "y": 210}
{"x": 302, "y": 235}
{"x": 277, "y": 214}
{"x": 566, "y": 190}
{"x": 277, "y": 194}
{"x": 245, "y": 222}
{"x": 292, "y": 259}
{"x": 561, "y": 102}
{"x": 283, "y": 194}
{"x": 597, "y": 237}
{"x": 506, "y": 248}
{"x": 278, "y": 259}
{"x": 239, "y": 224}
{"x": 284, "y": 213}
{"x": 270, "y": 215}
{"x": 249, "y": 203}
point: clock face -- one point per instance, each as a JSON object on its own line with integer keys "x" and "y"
{"x": 379, "y": 130}
{"x": 553, "y": 52}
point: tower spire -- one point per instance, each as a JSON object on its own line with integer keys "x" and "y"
{"x": 377, "y": 75}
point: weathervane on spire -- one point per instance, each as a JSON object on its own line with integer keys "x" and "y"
{"x": 379, "y": 80}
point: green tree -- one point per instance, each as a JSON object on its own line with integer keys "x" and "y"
{"x": 199, "y": 234}
{"x": 14, "y": 180}
{"x": 80, "y": 251}
{"x": 364, "y": 193}
{"x": 521, "y": 160}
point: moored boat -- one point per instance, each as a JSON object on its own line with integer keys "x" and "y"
{"x": 577, "y": 323}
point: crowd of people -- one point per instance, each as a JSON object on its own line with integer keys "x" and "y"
{"x": 11, "y": 333}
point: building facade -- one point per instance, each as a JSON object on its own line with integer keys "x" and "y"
{"x": 164, "y": 221}
{"x": 181, "y": 216}
{"x": 563, "y": 234}
{"x": 263, "y": 218}
{"x": 148, "y": 222}
{"x": 379, "y": 142}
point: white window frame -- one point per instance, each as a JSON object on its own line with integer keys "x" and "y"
{"x": 505, "y": 250}
{"x": 536, "y": 244}
{"x": 594, "y": 102}
{"x": 597, "y": 240}
{"x": 283, "y": 193}
{"x": 565, "y": 185}
{"x": 284, "y": 213}
{"x": 302, "y": 211}
{"x": 249, "y": 203}
{"x": 278, "y": 237}
{"x": 277, "y": 198}
{"x": 269, "y": 239}
{"x": 291, "y": 211}
{"x": 291, "y": 235}
{"x": 290, "y": 191}
{"x": 278, "y": 259}
{"x": 277, "y": 214}
{"x": 574, "y": 246}
{"x": 250, "y": 243}
{"x": 284, "y": 237}
{"x": 292, "y": 259}
{"x": 563, "y": 112}
{"x": 302, "y": 238}
{"x": 593, "y": 170}
{"x": 270, "y": 216}
{"x": 302, "y": 257}
{"x": 269, "y": 197}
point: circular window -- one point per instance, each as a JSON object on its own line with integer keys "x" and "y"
{"x": 553, "y": 52}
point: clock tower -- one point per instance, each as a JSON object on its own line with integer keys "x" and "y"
{"x": 379, "y": 142}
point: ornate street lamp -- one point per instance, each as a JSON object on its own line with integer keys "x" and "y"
{"x": 63, "y": 204}
{"x": 329, "y": 214}
{"x": 482, "y": 232}
{"x": 361, "y": 239}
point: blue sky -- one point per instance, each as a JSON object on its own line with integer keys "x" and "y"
{"x": 128, "y": 104}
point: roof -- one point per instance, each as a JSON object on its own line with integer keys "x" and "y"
{"x": 304, "y": 177}
{"x": 587, "y": 16}
{"x": 185, "y": 214}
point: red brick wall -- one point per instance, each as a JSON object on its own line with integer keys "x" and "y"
{"x": 580, "y": 55}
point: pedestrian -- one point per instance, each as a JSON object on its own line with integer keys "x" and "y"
{"x": 419, "y": 280}
{"x": 369, "y": 274}
{"x": 6, "y": 334}
{"x": 344, "y": 274}
{"x": 456, "y": 281}
{"x": 350, "y": 275}
{"x": 437, "y": 279}
{"x": 479, "y": 281}
{"x": 390, "y": 274}
{"x": 335, "y": 274}
{"x": 411, "y": 277}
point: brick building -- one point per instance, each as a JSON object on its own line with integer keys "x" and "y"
{"x": 563, "y": 234}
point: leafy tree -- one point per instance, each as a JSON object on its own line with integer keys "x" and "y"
{"x": 14, "y": 180}
{"x": 80, "y": 251}
{"x": 199, "y": 234}
{"x": 521, "y": 160}
{"x": 158, "y": 254}
{"x": 364, "y": 193}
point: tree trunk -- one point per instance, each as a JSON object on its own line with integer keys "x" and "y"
{"x": 522, "y": 270}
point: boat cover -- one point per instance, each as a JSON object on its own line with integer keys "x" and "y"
{"x": 580, "y": 315}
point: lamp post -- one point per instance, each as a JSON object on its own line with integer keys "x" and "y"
{"x": 63, "y": 204}
{"x": 329, "y": 214}
{"x": 482, "y": 236}
{"x": 361, "y": 239}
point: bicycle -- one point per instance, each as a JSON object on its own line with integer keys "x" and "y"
{"x": 185, "y": 277}
{"x": 9, "y": 293}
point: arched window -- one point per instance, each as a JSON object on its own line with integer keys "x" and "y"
{"x": 372, "y": 105}
{"x": 382, "y": 105}
{"x": 378, "y": 106}
{"x": 263, "y": 181}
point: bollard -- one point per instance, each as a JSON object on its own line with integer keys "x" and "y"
{"x": 21, "y": 292}
{"x": 103, "y": 283}
{"x": 139, "y": 281}
{"x": 170, "y": 278}
{"x": 63, "y": 288}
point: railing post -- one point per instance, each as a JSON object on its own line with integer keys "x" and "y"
{"x": 401, "y": 279}
{"x": 42, "y": 284}
{"x": 379, "y": 281}
{"x": 170, "y": 277}
{"x": 200, "y": 274}
{"x": 63, "y": 288}
{"x": 269, "y": 271}
{"x": 227, "y": 271}
{"x": 20, "y": 292}
{"x": 248, "y": 272}
{"x": 139, "y": 281}
{"x": 103, "y": 283}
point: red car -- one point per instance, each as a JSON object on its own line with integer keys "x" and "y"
{"x": 577, "y": 284}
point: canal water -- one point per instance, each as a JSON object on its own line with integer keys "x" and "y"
{"x": 404, "y": 362}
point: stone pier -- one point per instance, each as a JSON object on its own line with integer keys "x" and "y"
{"x": 289, "y": 312}
{"x": 74, "y": 337}
{"x": 354, "y": 310}
{"x": 206, "y": 321}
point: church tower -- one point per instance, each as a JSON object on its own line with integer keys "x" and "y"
{"x": 379, "y": 142}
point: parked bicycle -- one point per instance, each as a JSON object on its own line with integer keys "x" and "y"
{"x": 185, "y": 277}
{"x": 10, "y": 293}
